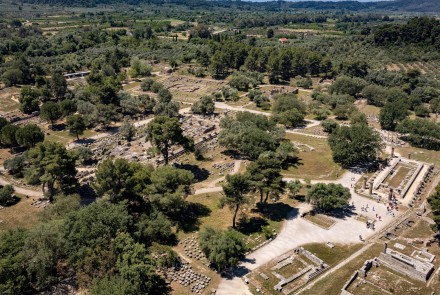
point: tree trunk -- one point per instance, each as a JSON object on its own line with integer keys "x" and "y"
{"x": 261, "y": 196}
{"x": 235, "y": 215}
{"x": 165, "y": 156}
{"x": 267, "y": 197}
{"x": 77, "y": 136}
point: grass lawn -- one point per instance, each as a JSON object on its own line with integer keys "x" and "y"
{"x": 395, "y": 179}
{"x": 20, "y": 215}
{"x": 317, "y": 164}
{"x": 64, "y": 137}
{"x": 7, "y": 104}
{"x": 419, "y": 154}
{"x": 334, "y": 255}
{"x": 420, "y": 230}
{"x": 320, "y": 220}
{"x": 333, "y": 283}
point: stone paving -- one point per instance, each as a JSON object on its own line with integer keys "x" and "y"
{"x": 297, "y": 231}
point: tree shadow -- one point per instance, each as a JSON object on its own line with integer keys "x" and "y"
{"x": 87, "y": 194}
{"x": 341, "y": 213}
{"x": 294, "y": 162}
{"x": 251, "y": 225}
{"x": 14, "y": 200}
{"x": 199, "y": 173}
{"x": 193, "y": 213}
{"x": 277, "y": 211}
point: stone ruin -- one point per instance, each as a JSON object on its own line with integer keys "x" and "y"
{"x": 308, "y": 273}
{"x": 186, "y": 276}
{"x": 192, "y": 249}
{"x": 417, "y": 269}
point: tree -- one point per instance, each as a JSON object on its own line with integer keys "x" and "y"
{"x": 355, "y": 144}
{"x": 236, "y": 188}
{"x": 68, "y": 107}
{"x": 3, "y": 122}
{"x": 116, "y": 179}
{"x": 127, "y": 130}
{"x": 270, "y": 33}
{"x": 12, "y": 77}
{"x": 52, "y": 165}
{"x": 286, "y": 102}
{"x": 92, "y": 229}
{"x": 29, "y": 135}
{"x": 164, "y": 132}
{"x": 58, "y": 85}
{"x": 305, "y": 82}
{"x": 204, "y": 106}
{"x": 29, "y": 100}
{"x": 43, "y": 249}
{"x": 168, "y": 190}
{"x": 146, "y": 84}
{"x": 265, "y": 176}
{"x": 76, "y": 125}
{"x": 166, "y": 107}
{"x": 222, "y": 248}
{"x": 50, "y": 111}
{"x": 8, "y": 135}
{"x": 105, "y": 114}
{"x": 290, "y": 118}
{"x": 294, "y": 187}
{"x": 434, "y": 202}
{"x": 16, "y": 164}
{"x": 347, "y": 85}
{"x": 329, "y": 125}
{"x": 14, "y": 279}
{"x": 6, "y": 194}
{"x": 327, "y": 197}
{"x": 392, "y": 113}
{"x": 139, "y": 68}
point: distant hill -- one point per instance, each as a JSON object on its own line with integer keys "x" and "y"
{"x": 411, "y": 5}
{"x": 426, "y": 6}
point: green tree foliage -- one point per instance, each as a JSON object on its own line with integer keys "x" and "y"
{"x": 200, "y": 31}
{"x": 329, "y": 125}
{"x": 294, "y": 187}
{"x": 434, "y": 202}
{"x": 420, "y": 133}
{"x": 127, "y": 130}
{"x": 288, "y": 110}
{"x": 265, "y": 176}
{"x": 164, "y": 132}
{"x": 152, "y": 228}
{"x": 89, "y": 238}
{"x": 347, "y": 85}
{"x": 106, "y": 114}
{"x": 53, "y": 166}
{"x": 76, "y": 125}
{"x": 250, "y": 134}
{"x": 50, "y": 111}
{"x": 16, "y": 165}
{"x": 146, "y": 84}
{"x": 120, "y": 180}
{"x": 43, "y": 249}
{"x": 164, "y": 106}
{"x": 204, "y": 106}
{"x": 261, "y": 100}
{"x": 13, "y": 276}
{"x": 68, "y": 107}
{"x": 6, "y": 194}
{"x": 306, "y": 82}
{"x": 7, "y": 135}
{"x": 139, "y": 68}
{"x": 392, "y": 113}
{"x": 58, "y": 85}
{"x": 29, "y": 135}
{"x": 355, "y": 144}
{"x": 168, "y": 189}
{"x": 269, "y": 33}
{"x": 29, "y": 100}
{"x": 222, "y": 248}
{"x": 236, "y": 189}
{"x": 327, "y": 197}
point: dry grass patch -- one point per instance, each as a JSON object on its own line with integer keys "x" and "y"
{"x": 317, "y": 164}
{"x": 20, "y": 215}
{"x": 320, "y": 220}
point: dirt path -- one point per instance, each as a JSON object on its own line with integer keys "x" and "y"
{"x": 21, "y": 190}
